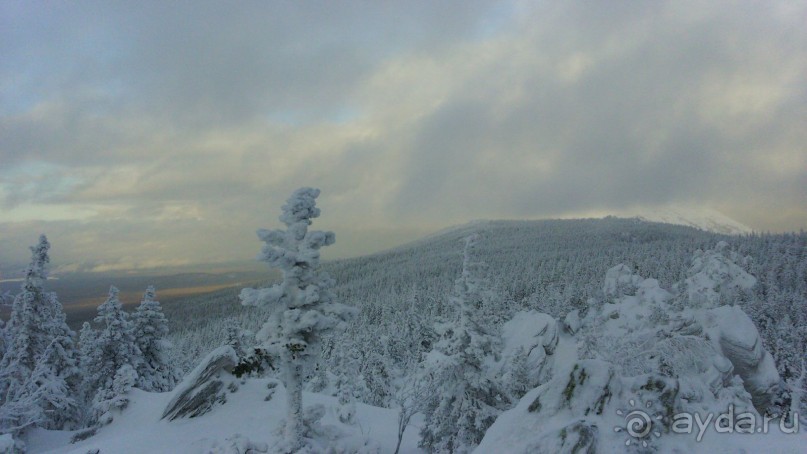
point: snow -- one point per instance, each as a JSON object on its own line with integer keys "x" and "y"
{"x": 533, "y": 333}
{"x": 619, "y": 277}
{"x": 713, "y": 275}
{"x": 6, "y": 443}
{"x": 572, "y": 322}
{"x": 740, "y": 342}
{"x": 202, "y": 388}
{"x": 664, "y": 352}
{"x": 699, "y": 218}
{"x": 670, "y": 347}
{"x": 245, "y": 417}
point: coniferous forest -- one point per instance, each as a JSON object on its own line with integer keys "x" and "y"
{"x": 455, "y": 335}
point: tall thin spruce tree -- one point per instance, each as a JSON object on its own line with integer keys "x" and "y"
{"x": 38, "y": 373}
{"x": 302, "y": 306}
{"x": 29, "y": 325}
{"x": 464, "y": 403}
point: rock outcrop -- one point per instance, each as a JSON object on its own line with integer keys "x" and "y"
{"x": 204, "y": 387}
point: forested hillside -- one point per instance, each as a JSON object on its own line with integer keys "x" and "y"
{"x": 486, "y": 324}
{"x": 552, "y": 266}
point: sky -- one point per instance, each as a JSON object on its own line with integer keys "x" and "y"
{"x": 150, "y": 133}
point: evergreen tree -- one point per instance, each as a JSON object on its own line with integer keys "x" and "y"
{"x": 6, "y": 300}
{"x": 235, "y": 337}
{"x": 155, "y": 373}
{"x": 302, "y": 307}
{"x": 464, "y": 402}
{"x": 48, "y": 397}
{"x": 88, "y": 358}
{"x": 116, "y": 348}
{"x": 115, "y": 397}
{"x": 3, "y": 338}
{"x": 29, "y": 328}
{"x": 518, "y": 379}
{"x": 38, "y": 374}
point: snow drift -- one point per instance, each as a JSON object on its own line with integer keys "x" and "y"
{"x": 641, "y": 347}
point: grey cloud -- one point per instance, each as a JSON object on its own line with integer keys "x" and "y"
{"x": 630, "y": 130}
{"x": 189, "y": 126}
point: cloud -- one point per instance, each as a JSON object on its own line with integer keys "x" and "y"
{"x": 184, "y": 128}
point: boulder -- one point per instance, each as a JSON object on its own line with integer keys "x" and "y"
{"x": 740, "y": 342}
{"x": 204, "y": 387}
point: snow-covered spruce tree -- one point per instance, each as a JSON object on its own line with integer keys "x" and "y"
{"x": 302, "y": 307}
{"x": 154, "y": 372}
{"x": 48, "y": 397}
{"x": 116, "y": 349}
{"x": 116, "y": 397}
{"x": 2, "y": 338}
{"x": 29, "y": 326}
{"x": 88, "y": 357}
{"x": 465, "y": 402}
{"x": 39, "y": 369}
{"x": 517, "y": 379}
{"x": 6, "y": 300}
{"x": 235, "y": 337}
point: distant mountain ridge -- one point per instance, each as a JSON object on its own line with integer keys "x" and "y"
{"x": 700, "y": 218}
{"x": 704, "y": 219}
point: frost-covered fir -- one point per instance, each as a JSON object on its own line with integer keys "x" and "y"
{"x": 302, "y": 307}
{"x": 116, "y": 354}
{"x": 154, "y": 372}
{"x": 49, "y": 397}
{"x": 88, "y": 357}
{"x": 464, "y": 401}
{"x": 38, "y": 374}
{"x": 28, "y": 326}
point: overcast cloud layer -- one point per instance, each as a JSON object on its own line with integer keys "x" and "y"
{"x": 144, "y": 133}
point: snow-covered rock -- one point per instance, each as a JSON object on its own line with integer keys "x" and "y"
{"x": 579, "y": 410}
{"x": 714, "y": 275}
{"x": 572, "y": 322}
{"x": 619, "y": 280}
{"x": 234, "y": 444}
{"x": 10, "y": 446}
{"x": 645, "y": 348}
{"x": 203, "y": 388}
{"x": 534, "y": 334}
{"x": 740, "y": 342}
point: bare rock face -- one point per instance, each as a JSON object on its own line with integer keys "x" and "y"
{"x": 204, "y": 387}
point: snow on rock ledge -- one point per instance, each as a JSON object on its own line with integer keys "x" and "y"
{"x": 644, "y": 347}
{"x": 620, "y": 280}
{"x": 713, "y": 275}
{"x": 741, "y": 344}
{"x": 534, "y": 334}
{"x": 203, "y": 388}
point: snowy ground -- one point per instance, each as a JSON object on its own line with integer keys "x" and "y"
{"x": 139, "y": 428}
{"x": 246, "y": 416}
{"x": 514, "y": 427}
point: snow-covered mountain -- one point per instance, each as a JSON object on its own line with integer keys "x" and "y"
{"x": 637, "y": 355}
{"x": 699, "y": 218}
{"x": 593, "y": 315}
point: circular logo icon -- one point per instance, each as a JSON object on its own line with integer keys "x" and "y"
{"x": 639, "y": 424}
